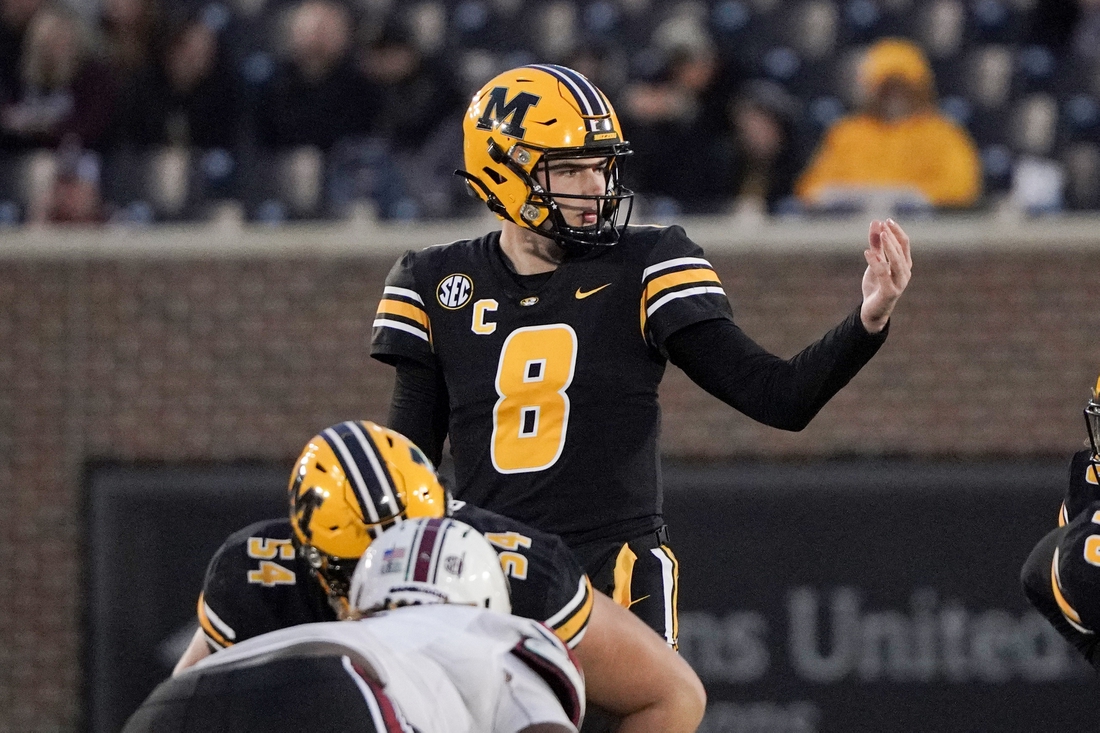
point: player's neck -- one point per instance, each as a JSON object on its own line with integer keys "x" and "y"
{"x": 529, "y": 253}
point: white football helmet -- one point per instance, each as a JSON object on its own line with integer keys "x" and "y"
{"x": 426, "y": 560}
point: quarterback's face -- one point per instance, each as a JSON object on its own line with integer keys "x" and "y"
{"x": 579, "y": 177}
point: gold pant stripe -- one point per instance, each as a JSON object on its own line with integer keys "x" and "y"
{"x": 624, "y": 574}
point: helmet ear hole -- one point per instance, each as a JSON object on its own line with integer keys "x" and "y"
{"x": 497, "y": 178}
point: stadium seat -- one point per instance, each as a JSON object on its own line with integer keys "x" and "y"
{"x": 990, "y": 75}
{"x": 1034, "y": 124}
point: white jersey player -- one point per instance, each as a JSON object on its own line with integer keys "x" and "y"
{"x": 437, "y": 650}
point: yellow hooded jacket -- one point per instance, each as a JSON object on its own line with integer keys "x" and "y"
{"x": 926, "y": 151}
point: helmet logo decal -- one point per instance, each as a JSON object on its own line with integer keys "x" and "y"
{"x": 453, "y": 564}
{"x": 454, "y": 291}
{"x": 499, "y": 109}
{"x": 304, "y": 506}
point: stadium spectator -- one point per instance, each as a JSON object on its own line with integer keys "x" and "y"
{"x": 75, "y": 196}
{"x": 64, "y": 89}
{"x": 129, "y": 32}
{"x": 678, "y": 120}
{"x": 317, "y": 96}
{"x": 187, "y": 98}
{"x": 1066, "y": 26}
{"x": 899, "y": 148}
{"x": 764, "y": 158}
{"x": 15, "y": 16}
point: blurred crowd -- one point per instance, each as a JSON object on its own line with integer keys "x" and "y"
{"x": 147, "y": 110}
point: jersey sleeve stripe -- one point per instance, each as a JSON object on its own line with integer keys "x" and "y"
{"x": 676, "y": 262}
{"x": 682, "y": 294}
{"x": 403, "y": 293}
{"x": 388, "y": 306}
{"x": 676, "y": 279}
{"x": 571, "y": 621}
{"x": 214, "y": 628}
{"x": 1068, "y": 611}
{"x": 401, "y": 326}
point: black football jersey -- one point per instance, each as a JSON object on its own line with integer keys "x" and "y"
{"x": 553, "y": 388}
{"x": 1061, "y": 579}
{"x": 257, "y": 583}
{"x": 1084, "y": 488}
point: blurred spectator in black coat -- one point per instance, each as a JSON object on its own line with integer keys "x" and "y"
{"x": 129, "y": 30}
{"x": 675, "y": 124}
{"x": 317, "y": 96}
{"x": 64, "y": 89}
{"x": 15, "y": 16}
{"x": 415, "y": 93}
{"x": 187, "y": 98}
{"x": 1067, "y": 26}
{"x": 764, "y": 157}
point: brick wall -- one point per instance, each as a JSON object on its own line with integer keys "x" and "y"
{"x": 990, "y": 354}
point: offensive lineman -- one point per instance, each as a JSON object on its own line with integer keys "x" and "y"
{"x": 538, "y": 349}
{"x": 354, "y": 479}
{"x": 437, "y": 652}
{"x": 1061, "y": 577}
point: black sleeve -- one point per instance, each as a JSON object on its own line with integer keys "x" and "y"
{"x": 782, "y": 393}
{"x": 1036, "y": 581}
{"x": 420, "y": 408}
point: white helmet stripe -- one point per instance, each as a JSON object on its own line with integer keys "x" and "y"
{"x": 379, "y": 471}
{"x": 586, "y": 106}
{"x": 352, "y": 469}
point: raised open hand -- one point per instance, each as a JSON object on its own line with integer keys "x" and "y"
{"x": 889, "y": 266}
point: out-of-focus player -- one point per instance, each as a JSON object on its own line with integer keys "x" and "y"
{"x": 432, "y": 648}
{"x": 355, "y": 479}
{"x": 1061, "y": 576}
{"x": 538, "y": 349}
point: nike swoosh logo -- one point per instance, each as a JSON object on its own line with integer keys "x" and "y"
{"x": 582, "y": 294}
{"x": 638, "y": 600}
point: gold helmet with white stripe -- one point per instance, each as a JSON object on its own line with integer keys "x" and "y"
{"x": 528, "y": 117}
{"x": 351, "y": 482}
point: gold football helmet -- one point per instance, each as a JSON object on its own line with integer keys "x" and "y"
{"x": 351, "y": 482}
{"x": 527, "y": 117}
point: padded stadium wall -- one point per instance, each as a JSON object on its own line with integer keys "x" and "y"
{"x": 215, "y": 345}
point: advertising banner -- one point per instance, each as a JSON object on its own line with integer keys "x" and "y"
{"x": 824, "y": 597}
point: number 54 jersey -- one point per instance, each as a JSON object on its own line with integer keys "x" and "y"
{"x": 552, "y": 385}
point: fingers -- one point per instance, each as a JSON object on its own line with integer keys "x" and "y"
{"x": 902, "y": 237}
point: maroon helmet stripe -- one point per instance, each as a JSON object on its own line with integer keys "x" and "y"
{"x": 425, "y": 550}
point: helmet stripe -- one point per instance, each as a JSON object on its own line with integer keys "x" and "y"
{"x": 351, "y": 470}
{"x": 381, "y": 473}
{"x": 585, "y": 105}
{"x": 595, "y": 99}
{"x": 427, "y": 550}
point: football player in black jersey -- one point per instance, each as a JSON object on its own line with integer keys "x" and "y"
{"x": 538, "y": 349}
{"x": 1061, "y": 577}
{"x": 356, "y": 478}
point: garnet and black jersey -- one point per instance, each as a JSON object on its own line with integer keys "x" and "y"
{"x": 1084, "y": 488}
{"x": 257, "y": 583}
{"x": 553, "y": 387}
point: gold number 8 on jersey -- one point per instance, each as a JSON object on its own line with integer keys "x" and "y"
{"x": 531, "y": 416}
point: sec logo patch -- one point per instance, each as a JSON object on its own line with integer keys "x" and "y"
{"x": 454, "y": 291}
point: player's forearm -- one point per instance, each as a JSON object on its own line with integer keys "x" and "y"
{"x": 781, "y": 393}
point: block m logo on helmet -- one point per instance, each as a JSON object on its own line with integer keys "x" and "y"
{"x": 498, "y": 110}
